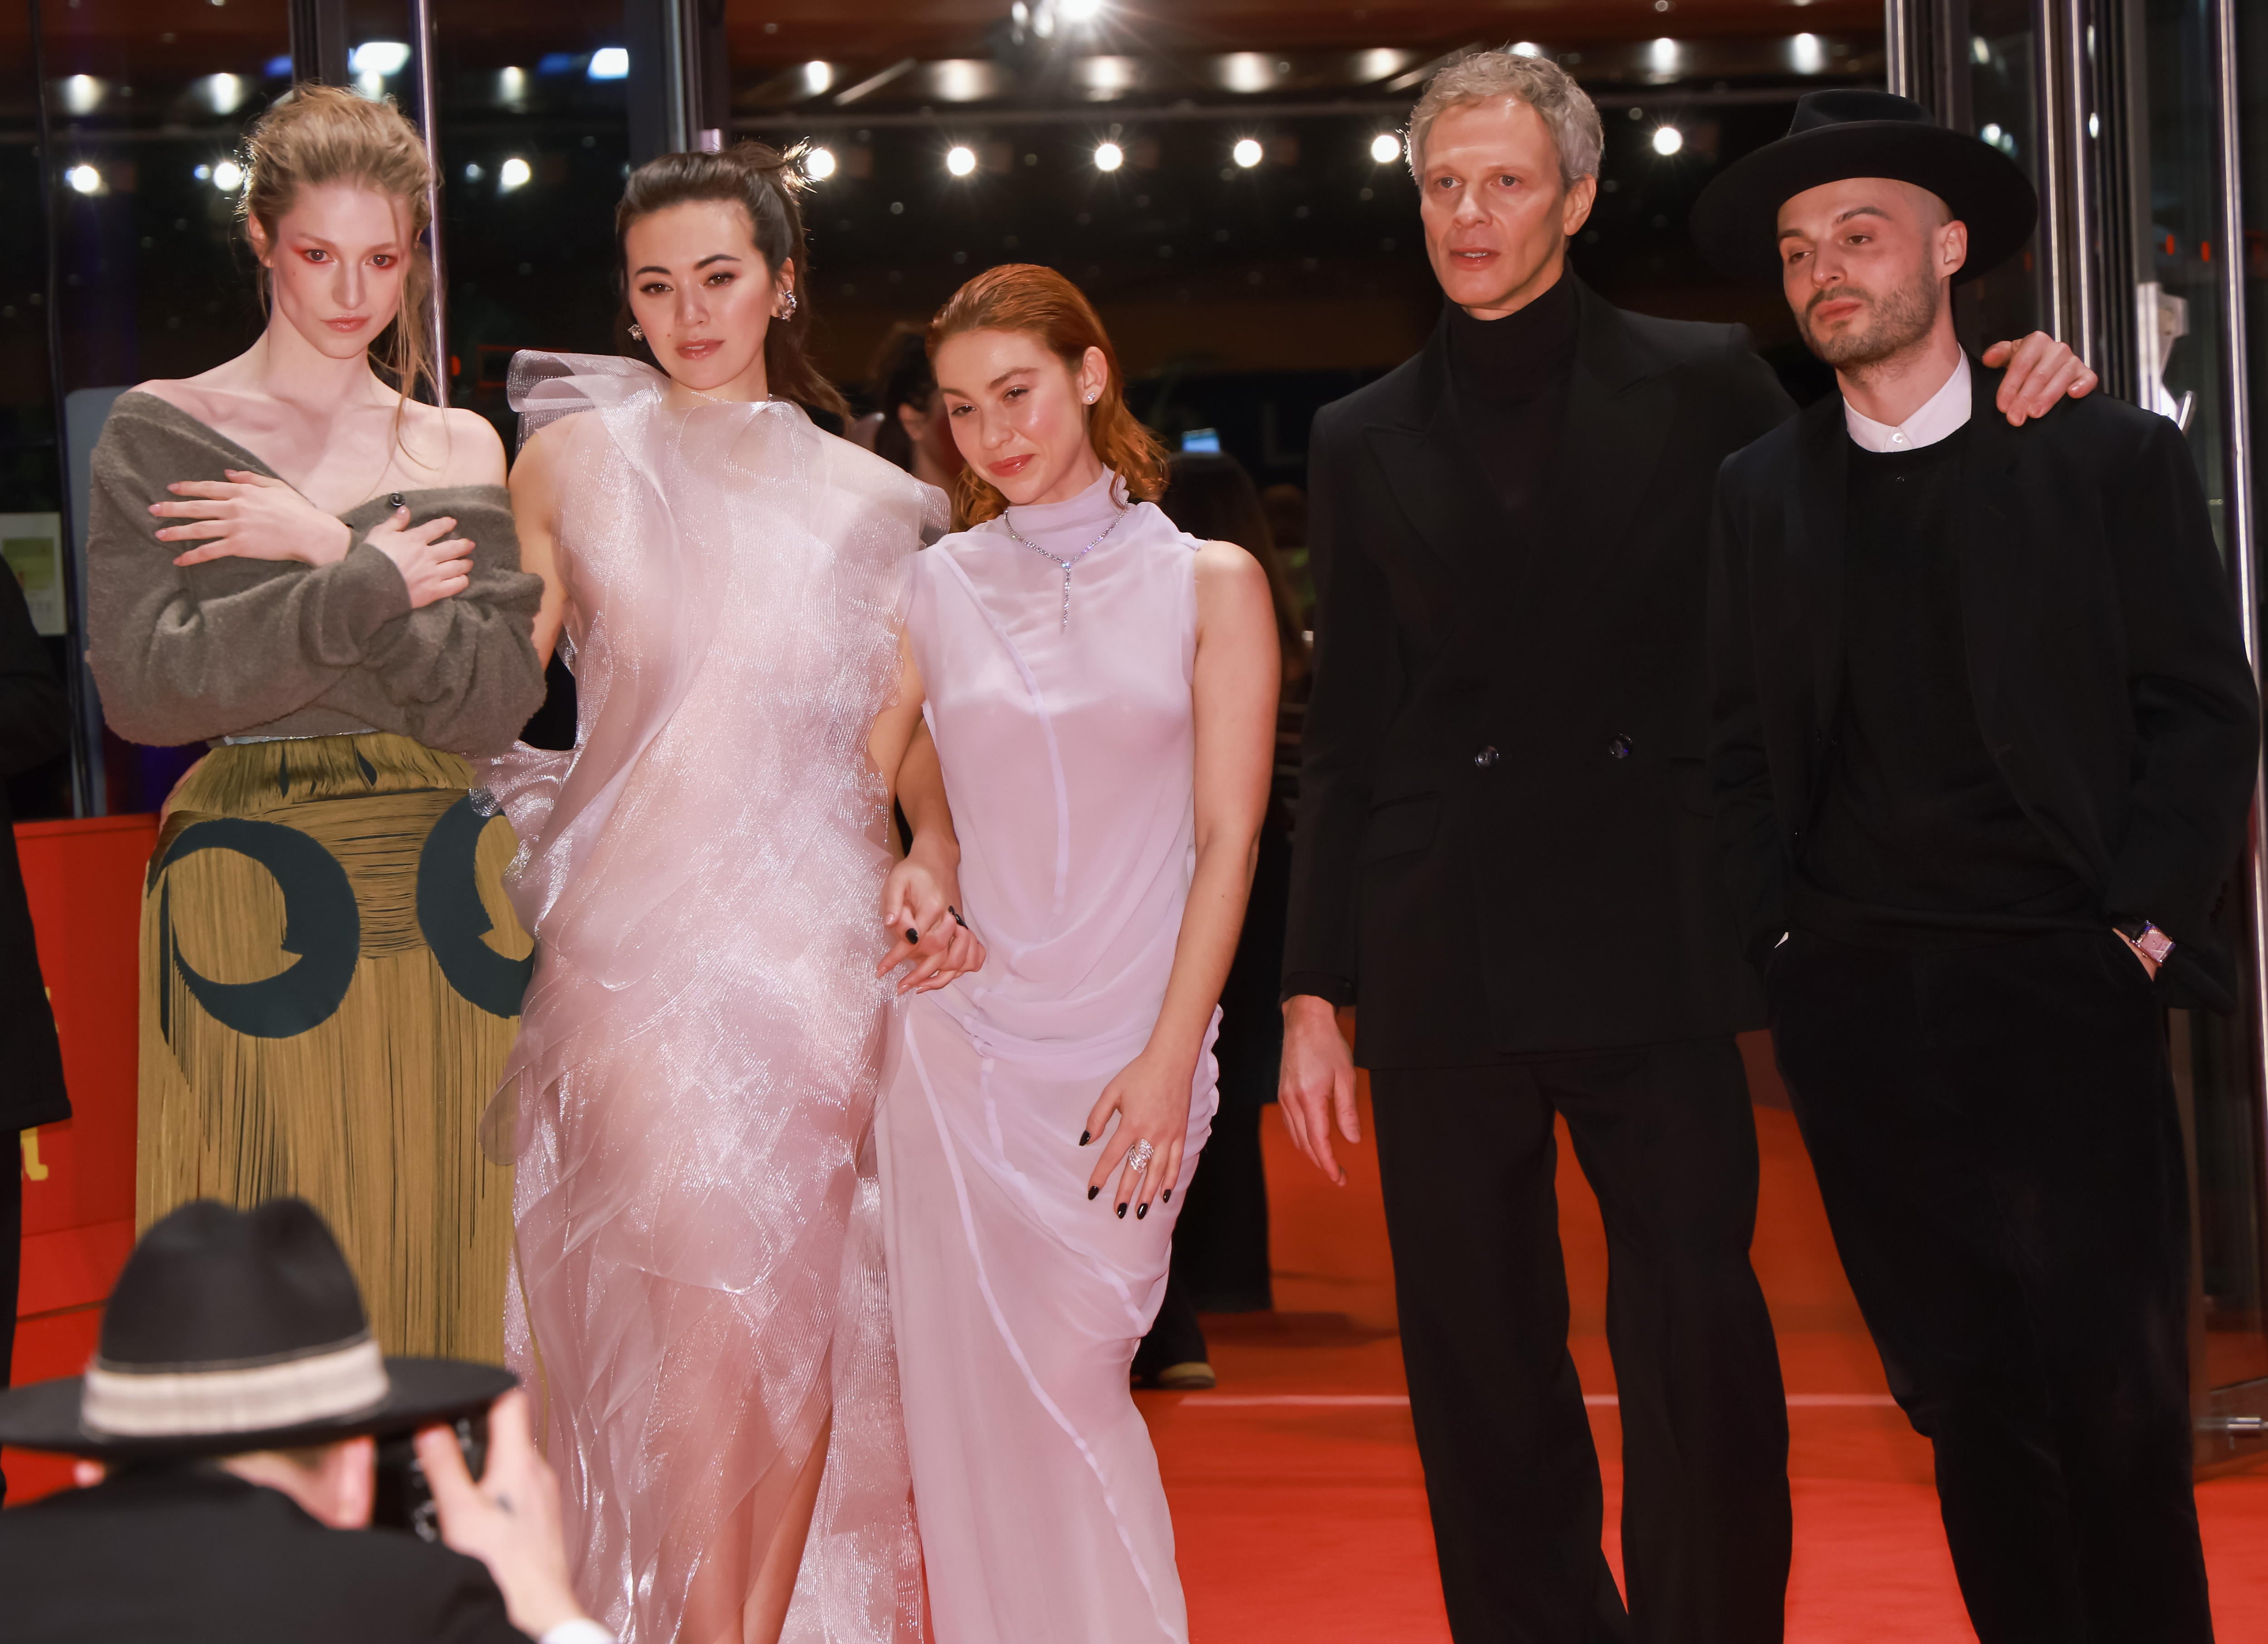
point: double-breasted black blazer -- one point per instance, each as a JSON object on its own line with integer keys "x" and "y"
{"x": 1504, "y": 845}
{"x": 2104, "y": 658}
{"x": 194, "y": 1555}
{"x": 34, "y": 727}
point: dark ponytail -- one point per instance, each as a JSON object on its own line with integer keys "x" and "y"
{"x": 765, "y": 183}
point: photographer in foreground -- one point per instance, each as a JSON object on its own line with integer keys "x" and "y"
{"x": 229, "y": 1426}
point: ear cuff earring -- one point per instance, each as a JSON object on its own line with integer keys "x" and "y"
{"x": 787, "y": 306}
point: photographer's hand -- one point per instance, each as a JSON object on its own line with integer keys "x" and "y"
{"x": 509, "y": 1521}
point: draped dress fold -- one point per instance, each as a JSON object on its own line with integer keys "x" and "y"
{"x": 700, "y": 1299}
{"x": 1069, "y": 753}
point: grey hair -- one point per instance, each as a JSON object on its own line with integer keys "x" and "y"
{"x": 1485, "y": 76}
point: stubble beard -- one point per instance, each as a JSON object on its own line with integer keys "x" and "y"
{"x": 1896, "y": 321}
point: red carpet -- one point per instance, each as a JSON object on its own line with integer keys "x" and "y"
{"x": 1301, "y": 1510}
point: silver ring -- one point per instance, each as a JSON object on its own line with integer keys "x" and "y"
{"x": 1139, "y": 1158}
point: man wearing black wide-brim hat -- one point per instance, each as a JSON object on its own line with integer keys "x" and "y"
{"x": 1985, "y": 736}
{"x": 229, "y": 1415}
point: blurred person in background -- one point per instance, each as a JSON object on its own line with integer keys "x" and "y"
{"x": 1220, "y": 1249}
{"x": 34, "y": 727}
{"x": 228, "y": 1431}
{"x": 911, "y": 430}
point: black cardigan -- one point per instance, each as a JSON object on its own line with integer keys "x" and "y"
{"x": 2104, "y": 658}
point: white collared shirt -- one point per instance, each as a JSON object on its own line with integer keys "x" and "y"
{"x": 1943, "y": 413}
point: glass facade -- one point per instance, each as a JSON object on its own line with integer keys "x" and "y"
{"x": 2122, "y": 111}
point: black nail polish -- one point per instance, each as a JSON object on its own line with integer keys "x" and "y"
{"x": 1166, "y": 1198}
{"x": 913, "y": 935}
{"x": 1122, "y": 1213}
{"x": 1091, "y": 1192}
{"x": 1141, "y": 1211}
{"x": 1083, "y": 1138}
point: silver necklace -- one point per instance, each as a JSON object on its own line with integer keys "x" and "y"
{"x": 1065, "y": 564}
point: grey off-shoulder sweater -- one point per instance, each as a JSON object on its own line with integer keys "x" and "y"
{"x": 251, "y": 647}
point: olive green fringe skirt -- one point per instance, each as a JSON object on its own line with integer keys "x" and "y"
{"x": 331, "y": 980}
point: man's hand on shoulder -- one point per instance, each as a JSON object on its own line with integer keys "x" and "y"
{"x": 2041, "y": 373}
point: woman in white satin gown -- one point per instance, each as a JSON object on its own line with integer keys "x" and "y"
{"x": 1101, "y": 691}
{"x": 700, "y": 1308}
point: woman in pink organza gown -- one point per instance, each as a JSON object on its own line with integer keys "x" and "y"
{"x": 1101, "y": 691}
{"x": 700, "y": 1305}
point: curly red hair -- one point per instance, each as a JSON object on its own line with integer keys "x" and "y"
{"x": 1025, "y": 296}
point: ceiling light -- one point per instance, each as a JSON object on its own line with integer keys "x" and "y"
{"x": 512, "y": 85}
{"x": 960, "y": 159}
{"x": 1247, "y": 152}
{"x": 1808, "y": 53}
{"x": 381, "y": 57}
{"x": 1079, "y": 11}
{"x": 1527, "y": 49}
{"x": 610, "y": 62}
{"x": 228, "y": 176}
{"x": 1379, "y": 62}
{"x": 223, "y": 93}
{"x": 818, "y": 163}
{"x": 1661, "y": 55}
{"x": 817, "y": 77}
{"x": 1247, "y": 71}
{"x": 473, "y": 174}
{"x": 1108, "y": 157}
{"x": 83, "y": 93}
{"x": 84, "y": 179}
{"x": 1667, "y": 140}
{"x": 514, "y": 174}
{"x": 1385, "y": 148}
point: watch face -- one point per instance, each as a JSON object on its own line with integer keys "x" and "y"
{"x": 2156, "y": 943}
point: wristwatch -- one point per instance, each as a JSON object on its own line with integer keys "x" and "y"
{"x": 2151, "y": 942}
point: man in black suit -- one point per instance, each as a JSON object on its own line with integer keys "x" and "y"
{"x": 34, "y": 727}
{"x": 1984, "y": 739}
{"x": 1504, "y": 853}
{"x": 232, "y": 1404}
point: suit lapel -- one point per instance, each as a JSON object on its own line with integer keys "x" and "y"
{"x": 1815, "y": 550}
{"x": 1424, "y": 458}
{"x": 1992, "y": 547}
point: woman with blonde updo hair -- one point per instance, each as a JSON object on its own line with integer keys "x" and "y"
{"x": 292, "y": 559}
{"x": 1101, "y": 687}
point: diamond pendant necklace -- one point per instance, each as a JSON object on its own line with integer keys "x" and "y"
{"x": 1065, "y": 564}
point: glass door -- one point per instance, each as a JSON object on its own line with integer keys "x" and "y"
{"x": 2136, "y": 121}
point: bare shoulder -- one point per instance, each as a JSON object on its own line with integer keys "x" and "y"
{"x": 1225, "y": 566}
{"x": 460, "y": 447}
{"x": 1232, "y": 590}
{"x": 543, "y": 451}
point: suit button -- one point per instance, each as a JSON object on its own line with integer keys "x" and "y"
{"x": 1619, "y": 748}
{"x": 1486, "y": 758}
{"x": 396, "y": 500}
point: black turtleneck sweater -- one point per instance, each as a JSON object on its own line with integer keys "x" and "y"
{"x": 1510, "y": 380}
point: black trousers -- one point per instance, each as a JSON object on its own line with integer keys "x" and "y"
{"x": 1667, "y": 1139}
{"x": 11, "y": 1260}
{"x": 1996, "y": 1140}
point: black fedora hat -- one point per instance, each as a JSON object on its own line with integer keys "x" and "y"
{"x": 1852, "y": 133}
{"x": 233, "y": 1331}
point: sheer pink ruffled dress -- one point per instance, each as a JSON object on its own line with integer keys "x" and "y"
{"x": 1068, "y": 758}
{"x": 700, "y": 1292}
